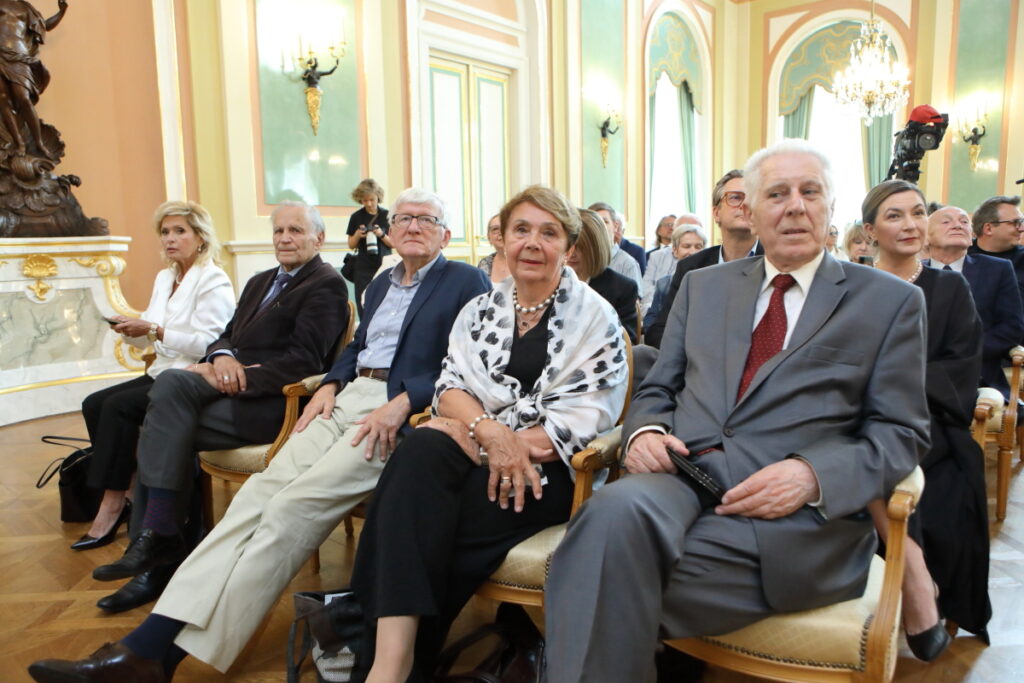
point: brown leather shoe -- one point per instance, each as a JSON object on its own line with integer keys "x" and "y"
{"x": 112, "y": 663}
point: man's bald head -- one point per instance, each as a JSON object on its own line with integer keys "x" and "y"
{"x": 949, "y": 228}
{"x": 688, "y": 219}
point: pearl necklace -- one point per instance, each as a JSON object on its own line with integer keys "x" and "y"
{"x": 920, "y": 267}
{"x": 531, "y": 309}
{"x": 525, "y": 323}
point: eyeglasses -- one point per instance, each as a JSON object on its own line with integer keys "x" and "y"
{"x": 403, "y": 220}
{"x": 1015, "y": 222}
{"x": 733, "y": 199}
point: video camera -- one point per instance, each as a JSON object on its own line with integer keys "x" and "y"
{"x": 924, "y": 132}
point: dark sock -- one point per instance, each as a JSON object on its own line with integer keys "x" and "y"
{"x": 172, "y": 659}
{"x": 154, "y": 637}
{"x": 161, "y": 512}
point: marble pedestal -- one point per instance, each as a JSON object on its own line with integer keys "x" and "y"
{"x": 55, "y": 347}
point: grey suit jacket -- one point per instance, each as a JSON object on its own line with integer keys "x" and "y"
{"x": 847, "y": 395}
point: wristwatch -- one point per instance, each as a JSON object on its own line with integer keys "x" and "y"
{"x": 151, "y": 335}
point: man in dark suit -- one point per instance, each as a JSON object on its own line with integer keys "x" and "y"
{"x": 287, "y": 323}
{"x": 994, "y": 288}
{"x": 803, "y": 422}
{"x": 634, "y": 250}
{"x": 737, "y": 242}
{"x": 625, "y": 262}
{"x": 332, "y": 461}
{"x": 998, "y": 226}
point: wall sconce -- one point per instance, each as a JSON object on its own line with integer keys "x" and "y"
{"x": 971, "y": 115}
{"x": 308, "y": 61}
{"x": 611, "y": 118}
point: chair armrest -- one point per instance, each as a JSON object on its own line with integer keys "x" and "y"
{"x": 901, "y": 505}
{"x": 292, "y": 393}
{"x": 419, "y": 418}
{"x": 601, "y": 452}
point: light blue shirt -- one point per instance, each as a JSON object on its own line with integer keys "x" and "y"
{"x": 386, "y": 323}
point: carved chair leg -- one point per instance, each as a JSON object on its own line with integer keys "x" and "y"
{"x": 349, "y": 530}
{"x": 1002, "y": 481}
{"x": 314, "y": 561}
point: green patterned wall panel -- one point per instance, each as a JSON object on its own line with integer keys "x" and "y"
{"x": 673, "y": 50}
{"x": 982, "y": 41}
{"x": 603, "y": 75}
{"x": 323, "y": 168}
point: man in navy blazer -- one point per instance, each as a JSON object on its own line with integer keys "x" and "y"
{"x": 993, "y": 287}
{"x": 223, "y": 590}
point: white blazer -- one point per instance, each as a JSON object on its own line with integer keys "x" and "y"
{"x": 192, "y": 318}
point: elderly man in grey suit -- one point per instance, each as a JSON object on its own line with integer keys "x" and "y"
{"x": 796, "y": 382}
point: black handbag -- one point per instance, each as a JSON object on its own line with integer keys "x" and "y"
{"x": 517, "y": 656}
{"x": 331, "y": 624}
{"x": 78, "y": 501}
{"x": 348, "y": 267}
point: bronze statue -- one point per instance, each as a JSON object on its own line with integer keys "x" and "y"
{"x": 33, "y": 201}
{"x": 314, "y": 94}
{"x": 974, "y": 146}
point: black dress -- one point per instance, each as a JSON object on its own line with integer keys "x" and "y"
{"x": 953, "y": 512}
{"x": 367, "y": 264}
{"x": 432, "y": 537}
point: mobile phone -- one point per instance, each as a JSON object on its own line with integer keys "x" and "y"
{"x": 708, "y": 490}
{"x": 866, "y": 260}
{"x": 111, "y": 321}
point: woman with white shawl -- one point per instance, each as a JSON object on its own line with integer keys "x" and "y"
{"x": 535, "y": 370}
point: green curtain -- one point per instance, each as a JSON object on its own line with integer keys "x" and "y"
{"x": 877, "y": 149}
{"x": 650, "y": 148}
{"x": 797, "y": 124}
{"x": 689, "y": 138}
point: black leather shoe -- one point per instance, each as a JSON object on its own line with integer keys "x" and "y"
{"x": 927, "y": 645}
{"x": 87, "y": 542}
{"x": 112, "y": 663}
{"x": 144, "y": 588}
{"x": 149, "y": 550}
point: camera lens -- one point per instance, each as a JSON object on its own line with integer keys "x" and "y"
{"x": 927, "y": 141}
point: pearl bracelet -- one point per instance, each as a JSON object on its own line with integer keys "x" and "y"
{"x": 478, "y": 420}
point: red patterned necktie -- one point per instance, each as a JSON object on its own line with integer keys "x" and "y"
{"x": 769, "y": 333}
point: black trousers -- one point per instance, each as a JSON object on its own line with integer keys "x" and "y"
{"x": 113, "y": 417}
{"x": 432, "y": 537}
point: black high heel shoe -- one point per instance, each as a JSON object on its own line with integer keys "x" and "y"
{"x": 87, "y": 542}
{"x": 929, "y": 644}
{"x": 932, "y": 642}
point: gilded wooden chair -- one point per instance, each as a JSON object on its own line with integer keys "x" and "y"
{"x": 996, "y": 422}
{"x": 854, "y": 640}
{"x": 238, "y": 464}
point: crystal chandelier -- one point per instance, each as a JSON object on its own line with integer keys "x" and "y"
{"x": 874, "y": 82}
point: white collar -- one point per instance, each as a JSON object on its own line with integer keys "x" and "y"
{"x": 804, "y": 275}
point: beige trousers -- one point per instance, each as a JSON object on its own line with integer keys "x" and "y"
{"x": 277, "y": 519}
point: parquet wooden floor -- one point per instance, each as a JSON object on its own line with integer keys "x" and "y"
{"x": 47, "y": 594}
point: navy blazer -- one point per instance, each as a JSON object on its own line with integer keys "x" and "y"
{"x": 423, "y": 339}
{"x": 994, "y": 290}
{"x": 636, "y": 251}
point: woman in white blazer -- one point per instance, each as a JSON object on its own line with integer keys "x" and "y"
{"x": 192, "y": 302}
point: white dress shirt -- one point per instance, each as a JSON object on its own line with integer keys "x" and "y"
{"x": 794, "y": 297}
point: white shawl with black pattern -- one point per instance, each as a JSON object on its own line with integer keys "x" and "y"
{"x": 580, "y": 391}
